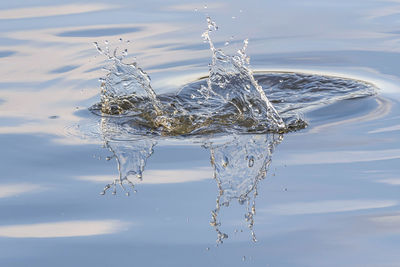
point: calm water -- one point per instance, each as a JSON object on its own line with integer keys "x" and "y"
{"x": 331, "y": 196}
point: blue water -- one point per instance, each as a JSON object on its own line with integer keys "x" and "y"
{"x": 330, "y": 197}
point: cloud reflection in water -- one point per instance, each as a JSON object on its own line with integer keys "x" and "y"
{"x": 9, "y": 190}
{"x": 63, "y": 229}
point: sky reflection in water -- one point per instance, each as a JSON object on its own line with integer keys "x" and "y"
{"x": 331, "y": 194}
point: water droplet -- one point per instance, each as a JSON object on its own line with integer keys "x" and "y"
{"x": 207, "y": 248}
{"x": 251, "y": 161}
{"x": 120, "y": 40}
{"x": 195, "y": 9}
{"x": 243, "y": 258}
{"x": 233, "y": 17}
{"x": 106, "y": 42}
{"x": 225, "y": 161}
{"x": 205, "y": 6}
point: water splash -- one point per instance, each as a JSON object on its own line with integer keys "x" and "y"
{"x": 124, "y": 84}
{"x": 231, "y": 79}
{"x": 232, "y": 101}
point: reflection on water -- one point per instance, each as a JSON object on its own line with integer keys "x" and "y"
{"x": 56, "y": 10}
{"x": 239, "y": 165}
{"x": 9, "y": 190}
{"x": 62, "y": 229}
{"x": 328, "y": 206}
{"x": 239, "y": 162}
{"x": 99, "y": 32}
{"x": 131, "y": 158}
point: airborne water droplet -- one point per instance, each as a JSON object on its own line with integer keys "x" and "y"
{"x": 251, "y": 161}
{"x": 225, "y": 161}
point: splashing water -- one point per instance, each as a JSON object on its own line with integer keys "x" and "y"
{"x": 231, "y": 100}
{"x": 231, "y": 79}
{"x": 124, "y": 82}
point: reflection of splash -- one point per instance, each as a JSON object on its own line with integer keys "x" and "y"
{"x": 131, "y": 158}
{"x": 239, "y": 165}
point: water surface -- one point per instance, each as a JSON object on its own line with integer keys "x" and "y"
{"x": 330, "y": 196}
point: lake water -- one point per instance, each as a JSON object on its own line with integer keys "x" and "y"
{"x": 331, "y": 193}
